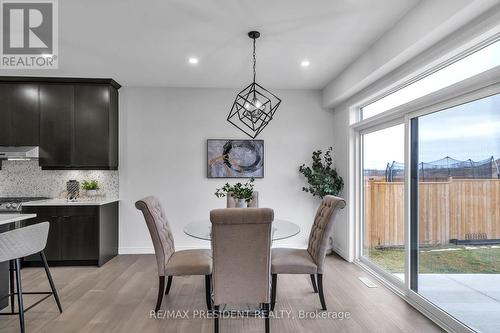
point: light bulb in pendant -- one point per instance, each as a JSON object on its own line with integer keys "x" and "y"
{"x": 255, "y": 107}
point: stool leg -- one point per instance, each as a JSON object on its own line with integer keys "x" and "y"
{"x": 11, "y": 283}
{"x": 20, "y": 294}
{"x": 51, "y": 282}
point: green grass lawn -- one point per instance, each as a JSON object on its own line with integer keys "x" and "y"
{"x": 461, "y": 260}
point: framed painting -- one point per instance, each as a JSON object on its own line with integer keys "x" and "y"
{"x": 228, "y": 158}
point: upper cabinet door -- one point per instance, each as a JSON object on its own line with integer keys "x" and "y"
{"x": 92, "y": 124}
{"x": 25, "y": 114}
{"x": 5, "y": 115}
{"x": 56, "y": 125}
{"x": 19, "y": 114}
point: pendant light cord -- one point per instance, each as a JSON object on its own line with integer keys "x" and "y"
{"x": 254, "y": 61}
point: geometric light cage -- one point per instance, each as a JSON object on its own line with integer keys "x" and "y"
{"x": 253, "y": 121}
{"x": 255, "y": 106}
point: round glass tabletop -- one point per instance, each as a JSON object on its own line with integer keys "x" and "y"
{"x": 281, "y": 229}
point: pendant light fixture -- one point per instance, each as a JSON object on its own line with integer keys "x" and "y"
{"x": 254, "y": 106}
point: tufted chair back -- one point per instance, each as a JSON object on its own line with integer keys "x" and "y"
{"x": 159, "y": 229}
{"x": 241, "y": 247}
{"x": 254, "y": 203}
{"x": 322, "y": 228}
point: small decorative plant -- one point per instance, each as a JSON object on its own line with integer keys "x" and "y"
{"x": 322, "y": 178}
{"x": 90, "y": 185}
{"x": 238, "y": 191}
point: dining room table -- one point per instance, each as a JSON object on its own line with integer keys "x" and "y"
{"x": 281, "y": 229}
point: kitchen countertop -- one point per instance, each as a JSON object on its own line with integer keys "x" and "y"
{"x": 64, "y": 202}
{"x": 9, "y": 218}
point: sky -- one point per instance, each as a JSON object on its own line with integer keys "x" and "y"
{"x": 471, "y": 130}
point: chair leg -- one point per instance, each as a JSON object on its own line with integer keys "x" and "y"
{"x": 208, "y": 291}
{"x": 321, "y": 294}
{"x": 313, "y": 281}
{"x": 274, "y": 287}
{"x": 266, "y": 315}
{"x": 216, "y": 318}
{"x": 20, "y": 294}
{"x": 161, "y": 288}
{"x": 11, "y": 283}
{"x": 51, "y": 282}
{"x": 169, "y": 283}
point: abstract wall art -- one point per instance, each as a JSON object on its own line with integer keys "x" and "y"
{"x": 228, "y": 158}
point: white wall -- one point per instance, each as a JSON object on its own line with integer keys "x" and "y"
{"x": 424, "y": 26}
{"x": 163, "y": 134}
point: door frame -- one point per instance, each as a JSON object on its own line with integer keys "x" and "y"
{"x": 477, "y": 87}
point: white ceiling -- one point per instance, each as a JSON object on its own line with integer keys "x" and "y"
{"x": 147, "y": 43}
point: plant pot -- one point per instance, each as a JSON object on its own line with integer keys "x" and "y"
{"x": 241, "y": 203}
{"x": 91, "y": 193}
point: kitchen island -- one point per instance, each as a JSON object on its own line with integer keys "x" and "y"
{"x": 6, "y": 219}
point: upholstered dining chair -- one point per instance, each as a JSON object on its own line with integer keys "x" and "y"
{"x": 170, "y": 262}
{"x": 15, "y": 245}
{"x": 254, "y": 203}
{"x": 241, "y": 248}
{"x": 311, "y": 260}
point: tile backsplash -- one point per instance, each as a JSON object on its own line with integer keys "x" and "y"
{"x": 27, "y": 179}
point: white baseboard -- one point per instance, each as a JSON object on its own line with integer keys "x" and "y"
{"x": 341, "y": 253}
{"x": 148, "y": 249}
{"x": 136, "y": 250}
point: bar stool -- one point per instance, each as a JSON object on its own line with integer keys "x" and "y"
{"x": 19, "y": 243}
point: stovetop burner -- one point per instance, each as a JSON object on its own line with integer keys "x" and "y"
{"x": 14, "y": 204}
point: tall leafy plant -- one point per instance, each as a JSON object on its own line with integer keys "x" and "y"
{"x": 323, "y": 179}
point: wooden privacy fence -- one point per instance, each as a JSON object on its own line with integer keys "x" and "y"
{"x": 454, "y": 209}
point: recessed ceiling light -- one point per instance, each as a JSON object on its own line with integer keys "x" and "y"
{"x": 305, "y": 63}
{"x": 193, "y": 60}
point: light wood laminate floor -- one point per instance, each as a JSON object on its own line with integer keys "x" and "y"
{"x": 119, "y": 296}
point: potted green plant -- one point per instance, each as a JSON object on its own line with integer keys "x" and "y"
{"x": 322, "y": 178}
{"x": 91, "y": 187}
{"x": 241, "y": 192}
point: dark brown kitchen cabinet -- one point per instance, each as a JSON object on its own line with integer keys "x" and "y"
{"x": 87, "y": 118}
{"x": 78, "y": 235}
{"x": 19, "y": 114}
{"x": 93, "y": 133}
{"x": 73, "y": 120}
{"x": 80, "y": 239}
{"x": 56, "y": 125}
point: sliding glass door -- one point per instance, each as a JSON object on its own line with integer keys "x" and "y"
{"x": 383, "y": 199}
{"x": 455, "y": 211}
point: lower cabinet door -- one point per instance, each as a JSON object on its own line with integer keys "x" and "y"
{"x": 79, "y": 238}
{"x": 52, "y": 249}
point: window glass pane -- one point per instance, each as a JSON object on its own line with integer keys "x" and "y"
{"x": 459, "y": 212}
{"x": 471, "y": 65}
{"x": 384, "y": 200}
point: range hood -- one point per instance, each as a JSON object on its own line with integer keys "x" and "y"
{"x": 18, "y": 153}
